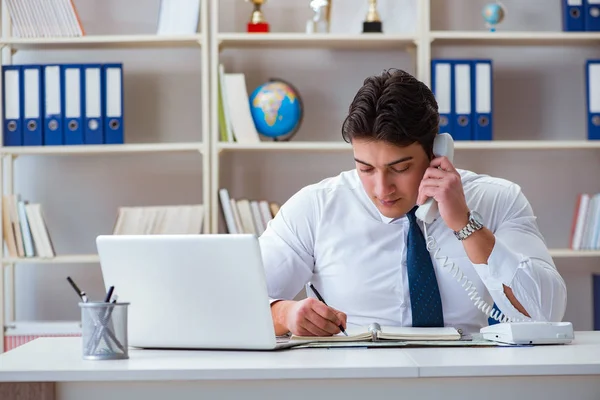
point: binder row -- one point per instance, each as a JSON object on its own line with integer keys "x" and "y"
{"x": 464, "y": 92}
{"x": 44, "y": 18}
{"x": 62, "y": 104}
{"x": 592, "y": 88}
{"x": 581, "y": 15}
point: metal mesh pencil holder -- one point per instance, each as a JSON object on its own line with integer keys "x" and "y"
{"x": 104, "y": 331}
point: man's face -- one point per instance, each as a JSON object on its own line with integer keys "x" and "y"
{"x": 390, "y": 174}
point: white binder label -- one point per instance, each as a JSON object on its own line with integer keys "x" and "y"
{"x": 593, "y": 1}
{"x": 52, "y": 80}
{"x": 442, "y": 88}
{"x": 72, "y": 93}
{"x": 32, "y": 93}
{"x": 113, "y": 92}
{"x": 92, "y": 93}
{"x": 594, "y": 88}
{"x": 574, "y": 2}
{"x": 463, "y": 88}
{"x": 13, "y": 95}
{"x": 483, "y": 86}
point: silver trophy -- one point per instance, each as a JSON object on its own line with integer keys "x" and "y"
{"x": 320, "y": 20}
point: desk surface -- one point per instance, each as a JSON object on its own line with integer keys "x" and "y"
{"x": 59, "y": 360}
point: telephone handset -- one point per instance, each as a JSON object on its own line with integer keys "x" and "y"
{"x": 443, "y": 145}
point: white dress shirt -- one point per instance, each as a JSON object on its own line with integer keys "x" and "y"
{"x": 331, "y": 234}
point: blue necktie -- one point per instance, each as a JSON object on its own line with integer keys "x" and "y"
{"x": 425, "y": 299}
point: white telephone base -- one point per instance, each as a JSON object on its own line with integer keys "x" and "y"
{"x": 525, "y": 333}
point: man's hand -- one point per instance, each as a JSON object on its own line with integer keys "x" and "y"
{"x": 308, "y": 317}
{"x": 445, "y": 186}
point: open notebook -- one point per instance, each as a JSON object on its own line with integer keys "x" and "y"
{"x": 375, "y": 332}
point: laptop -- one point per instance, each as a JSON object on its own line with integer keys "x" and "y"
{"x": 203, "y": 291}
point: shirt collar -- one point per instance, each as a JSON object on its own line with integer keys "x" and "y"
{"x": 387, "y": 220}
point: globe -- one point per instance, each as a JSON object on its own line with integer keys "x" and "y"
{"x": 493, "y": 14}
{"x": 276, "y": 108}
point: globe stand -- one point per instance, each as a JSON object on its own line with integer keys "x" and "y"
{"x": 285, "y": 138}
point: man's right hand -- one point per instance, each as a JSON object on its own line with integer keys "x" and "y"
{"x": 308, "y": 317}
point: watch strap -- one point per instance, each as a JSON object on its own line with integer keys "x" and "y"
{"x": 471, "y": 227}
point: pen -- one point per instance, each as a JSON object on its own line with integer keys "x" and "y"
{"x": 104, "y": 330}
{"x": 109, "y": 294}
{"x": 323, "y": 301}
{"x": 77, "y": 290}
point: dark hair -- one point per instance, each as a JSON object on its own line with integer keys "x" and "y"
{"x": 394, "y": 107}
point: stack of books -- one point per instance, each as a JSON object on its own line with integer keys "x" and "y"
{"x": 44, "y": 18}
{"x": 178, "y": 17}
{"x": 24, "y": 228}
{"x": 245, "y": 215}
{"x": 236, "y": 123}
{"x": 585, "y": 228}
{"x": 155, "y": 220}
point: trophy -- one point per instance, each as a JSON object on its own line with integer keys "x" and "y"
{"x": 257, "y": 21}
{"x": 372, "y": 23}
{"x": 320, "y": 21}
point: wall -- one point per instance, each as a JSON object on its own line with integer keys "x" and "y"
{"x": 539, "y": 94}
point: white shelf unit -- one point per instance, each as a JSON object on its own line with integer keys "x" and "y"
{"x": 66, "y": 259}
{"x": 130, "y": 148}
{"x": 320, "y": 40}
{"x": 419, "y": 45}
{"x": 462, "y": 145}
{"x": 104, "y": 42}
{"x": 514, "y": 38}
{"x": 10, "y": 45}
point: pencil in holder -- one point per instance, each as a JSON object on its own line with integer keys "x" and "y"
{"x": 104, "y": 331}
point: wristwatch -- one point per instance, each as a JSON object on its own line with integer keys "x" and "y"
{"x": 475, "y": 223}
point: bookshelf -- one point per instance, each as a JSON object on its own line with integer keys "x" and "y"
{"x": 131, "y": 148}
{"x": 59, "y": 259}
{"x": 462, "y": 145}
{"x": 323, "y": 41}
{"x": 420, "y": 45}
{"x": 99, "y": 42}
{"x": 210, "y": 42}
{"x": 131, "y": 42}
{"x": 514, "y": 38}
{"x": 568, "y": 253}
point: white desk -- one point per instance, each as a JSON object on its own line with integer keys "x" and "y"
{"x": 546, "y": 372}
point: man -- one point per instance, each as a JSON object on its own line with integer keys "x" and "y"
{"x": 355, "y": 238}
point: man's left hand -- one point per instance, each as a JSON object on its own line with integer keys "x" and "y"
{"x": 442, "y": 182}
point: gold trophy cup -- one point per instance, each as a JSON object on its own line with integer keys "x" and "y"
{"x": 372, "y": 23}
{"x": 257, "y": 23}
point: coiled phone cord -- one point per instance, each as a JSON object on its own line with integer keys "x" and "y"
{"x": 465, "y": 282}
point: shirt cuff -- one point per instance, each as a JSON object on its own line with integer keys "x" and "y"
{"x": 272, "y": 301}
{"x": 502, "y": 264}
